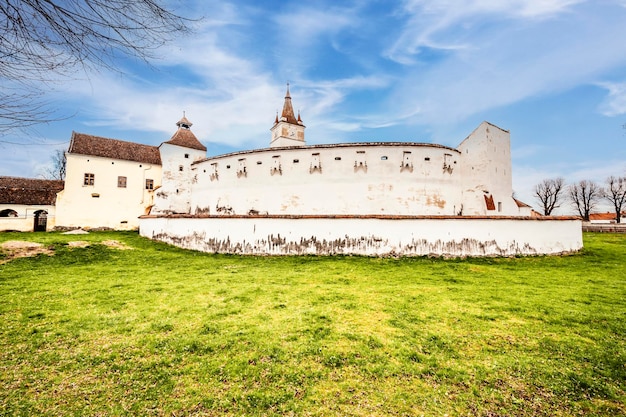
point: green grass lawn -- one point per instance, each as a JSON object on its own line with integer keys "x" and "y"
{"x": 156, "y": 330}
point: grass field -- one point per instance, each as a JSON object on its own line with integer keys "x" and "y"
{"x": 142, "y": 328}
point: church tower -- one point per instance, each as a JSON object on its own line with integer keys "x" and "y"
{"x": 287, "y": 130}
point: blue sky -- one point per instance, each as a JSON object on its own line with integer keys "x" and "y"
{"x": 552, "y": 72}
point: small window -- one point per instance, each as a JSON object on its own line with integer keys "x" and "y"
{"x": 89, "y": 179}
{"x": 121, "y": 182}
{"x": 499, "y": 206}
{"x": 427, "y": 158}
{"x": 180, "y": 168}
{"x": 227, "y": 166}
{"x": 259, "y": 162}
{"x": 187, "y": 156}
{"x": 383, "y": 158}
{"x": 296, "y": 161}
{"x": 149, "y": 184}
{"x": 337, "y": 158}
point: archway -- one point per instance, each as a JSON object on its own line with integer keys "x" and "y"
{"x": 41, "y": 221}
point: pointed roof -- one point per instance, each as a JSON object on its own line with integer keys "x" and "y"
{"x": 287, "y": 114}
{"x": 184, "y": 137}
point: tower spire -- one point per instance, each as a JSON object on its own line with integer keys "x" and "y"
{"x": 287, "y": 114}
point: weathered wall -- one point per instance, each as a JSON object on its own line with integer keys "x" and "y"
{"x": 486, "y": 171}
{"x": 104, "y": 204}
{"x": 372, "y": 178}
{"x": 358, "y": 179}
{"x": 174, "y": 196}
{"x": 368, "y": 235}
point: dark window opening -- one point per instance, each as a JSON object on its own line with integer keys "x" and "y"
{"x": 89, "y": 179}
{"x": 121, "y": 182}
{"x": 149, "y": 184}
{"x": 8, "y": 213}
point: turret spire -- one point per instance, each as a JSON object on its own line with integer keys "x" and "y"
{"x": 287, "y": 114}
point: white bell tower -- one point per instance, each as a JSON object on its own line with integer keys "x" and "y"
{"x": 287, "y": 130}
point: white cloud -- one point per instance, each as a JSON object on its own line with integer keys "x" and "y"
{"x": 615, "y": 102}
{"x": 444, "y": 24}
{"x": 510, "y": 62}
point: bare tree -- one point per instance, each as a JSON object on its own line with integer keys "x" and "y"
{"x": 549, "y": 193}
{"x": 584, "y": 196}
{"x": 616, "y": 194}
{"x": 43, "y": 41}
{"x": 57, "y": 170}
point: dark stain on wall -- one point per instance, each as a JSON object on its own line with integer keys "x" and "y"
{"x": 363, "y": 245}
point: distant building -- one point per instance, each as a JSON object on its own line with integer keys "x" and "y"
{"x": 606, "y": 218}
{"x": 28, "y": 204}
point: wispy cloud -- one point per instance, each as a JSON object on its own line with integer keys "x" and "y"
{"x": 506, "y": 63}
{"x": 615, "y": 102}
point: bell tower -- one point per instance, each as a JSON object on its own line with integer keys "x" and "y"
{"x": 287, "y": 130}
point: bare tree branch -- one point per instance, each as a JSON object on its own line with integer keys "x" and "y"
{"x": 549, "y": 194}
{"x": 42, "y": 41}
{"x": 584, "y": 196}
{"x": 616, "y": 194}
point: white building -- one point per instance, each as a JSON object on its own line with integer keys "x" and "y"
{"x": 110, "y": 183}
{"x": 366, "y": 198}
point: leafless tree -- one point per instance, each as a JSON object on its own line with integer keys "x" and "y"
{"x": 57, "y": 169}
{"x": 584, "y": 196}
{"x": 549, "y": 193}
{"x": 616, "y": 194}
{"x": 43, "y": 41}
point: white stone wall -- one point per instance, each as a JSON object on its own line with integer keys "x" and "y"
{"x": 370, "y": 236}
{"x": 381, "y": 178}
{"x": 104, "y": 204}
{"x": 366, "y": 178}
{"x": 174, "y": 195}
{"x": 486, "y": 171}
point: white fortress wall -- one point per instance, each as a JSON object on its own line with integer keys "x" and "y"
{"x": 486, "y": 171}
{"x": 372, "y": 178}
{"x": 368, "y": 235}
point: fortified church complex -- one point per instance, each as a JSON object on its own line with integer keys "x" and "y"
{"x": 376, "y": 198}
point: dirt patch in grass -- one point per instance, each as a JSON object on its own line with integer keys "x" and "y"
{"x": 13, "y": 249}
{"x": 116, "y": 244}
{"x": 78, "y": 244}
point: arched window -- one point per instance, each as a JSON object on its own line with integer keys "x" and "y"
{"x": 8, "y": 213}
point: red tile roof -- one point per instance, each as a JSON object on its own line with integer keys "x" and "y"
{"x": 602, "y": 216}
{"x": 185, "y": 138}
{"x": 115, "y": 149}
{"x": 29, "y": 191}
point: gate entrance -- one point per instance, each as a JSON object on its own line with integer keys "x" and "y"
{"x": 41, "y": 221}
